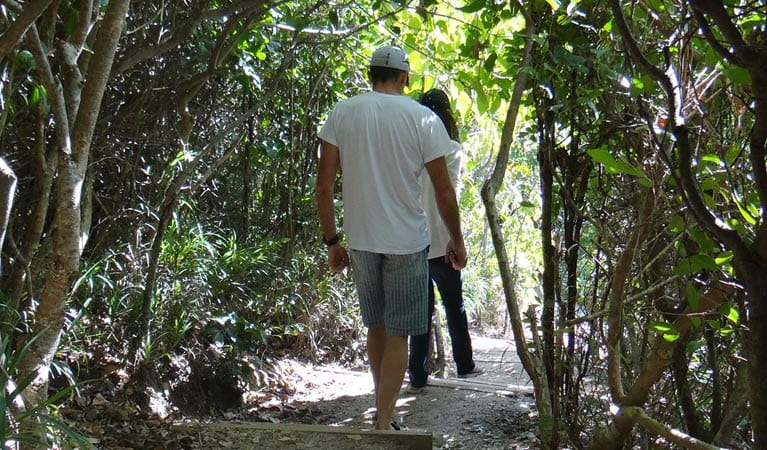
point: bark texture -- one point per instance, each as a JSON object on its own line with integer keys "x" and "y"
{"x": 49, "y": 314}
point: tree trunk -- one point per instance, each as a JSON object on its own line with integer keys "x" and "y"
{"x": 532, "y": 363}
{"x": 752, "y": 269}
{"x": 71, "y": 174}
{"x": 550, "y": 260}
{"x": 7, "y": 191}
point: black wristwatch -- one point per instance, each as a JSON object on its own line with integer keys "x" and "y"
{"x": 332, "y": 241}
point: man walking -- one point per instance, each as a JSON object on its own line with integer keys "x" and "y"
{"x": 382, "y": 141}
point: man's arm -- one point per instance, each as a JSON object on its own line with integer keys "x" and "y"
{"x": 448, "y": 210}
{"x": 330, "y": 162}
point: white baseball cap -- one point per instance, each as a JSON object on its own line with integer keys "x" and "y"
{"x": 391, "y": 57}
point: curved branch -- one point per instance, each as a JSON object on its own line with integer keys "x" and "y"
{"x": 653, "y": 426}
{"x": 15, "y": 33}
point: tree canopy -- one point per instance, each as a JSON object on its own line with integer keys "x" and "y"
{"x": 157, "y": 164}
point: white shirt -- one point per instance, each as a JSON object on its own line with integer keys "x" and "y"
{"x": 437, "y": 230}
{"x": 384, "y": 141}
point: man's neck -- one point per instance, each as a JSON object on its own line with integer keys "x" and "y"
{"x": 387, "y": 88}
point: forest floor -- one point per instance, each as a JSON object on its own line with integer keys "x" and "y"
{"x": 492, "y": 411}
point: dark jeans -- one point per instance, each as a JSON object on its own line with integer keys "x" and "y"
{"x": 451, "y": 289}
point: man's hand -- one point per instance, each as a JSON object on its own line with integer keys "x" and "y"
{"x": 337, "y": 258}
{"x": 456, "y": 255}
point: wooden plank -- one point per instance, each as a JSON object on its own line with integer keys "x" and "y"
{"x": 310, "y": 436}
{"x": 481, "y": 386}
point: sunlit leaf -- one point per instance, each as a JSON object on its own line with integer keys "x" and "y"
{"x": 744, "y": 213}
{"x": 730, "y": 313}
{"x": 661, "y": 326}
{"x": 671, "y": 336}
{"x": 723, "y": 258}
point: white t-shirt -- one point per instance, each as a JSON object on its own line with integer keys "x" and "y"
{"x": 437, "y": 230}
{"x": 384, "y": 141}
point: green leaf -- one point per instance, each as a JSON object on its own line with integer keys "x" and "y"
{"x": 704, "y": 261}
{"x": 683, "y": 267}
{"x": 723, "y": 258}
{"x": 713, "y": 324}
{"x": 601, "y": 155}
{"x": 712, "y": 158}
{"x": 490, "y": 62}
{"x": 671, "y": 336}
{"x": 663, "y": 327}
{"x": 473, "y": 7}
{"x": 744, "y": 212}
{"x": 527, "y": 204}
{"x": 737, "y": 75}
{"x": 702, "y": 239}
{"x": 481, "y": 96}
{"x": 677, "y": 223}
{"x": 693, "y": 346}
{"x": 696, "y": 322}
{"x": 732, "y": 154}
{"x": 693, "y": 299}
{"x": 730, "y": 313}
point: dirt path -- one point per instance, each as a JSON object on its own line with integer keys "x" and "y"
{"x": 492, "y": 411}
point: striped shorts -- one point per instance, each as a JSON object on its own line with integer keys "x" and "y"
{"x": 393, "y": 291}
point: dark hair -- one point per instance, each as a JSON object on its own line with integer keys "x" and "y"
{"x": 384, "y": 74}
{"x": 437, "y": 101}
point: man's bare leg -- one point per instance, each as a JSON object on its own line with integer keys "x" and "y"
{"x": 376, "y": 345}
{"x": 392, "y": 372}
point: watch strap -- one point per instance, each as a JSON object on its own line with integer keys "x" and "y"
{"x": 332, "y": 241}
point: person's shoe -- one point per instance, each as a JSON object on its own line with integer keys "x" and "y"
{"x": 410, "y": 389}
{"x": 475, "y": 372}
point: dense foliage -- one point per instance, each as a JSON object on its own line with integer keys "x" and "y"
{"x": 158, "y": 165}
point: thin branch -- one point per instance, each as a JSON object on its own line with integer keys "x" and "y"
{"x": 53, "y": 89}
{"x": 676, "y": 436}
